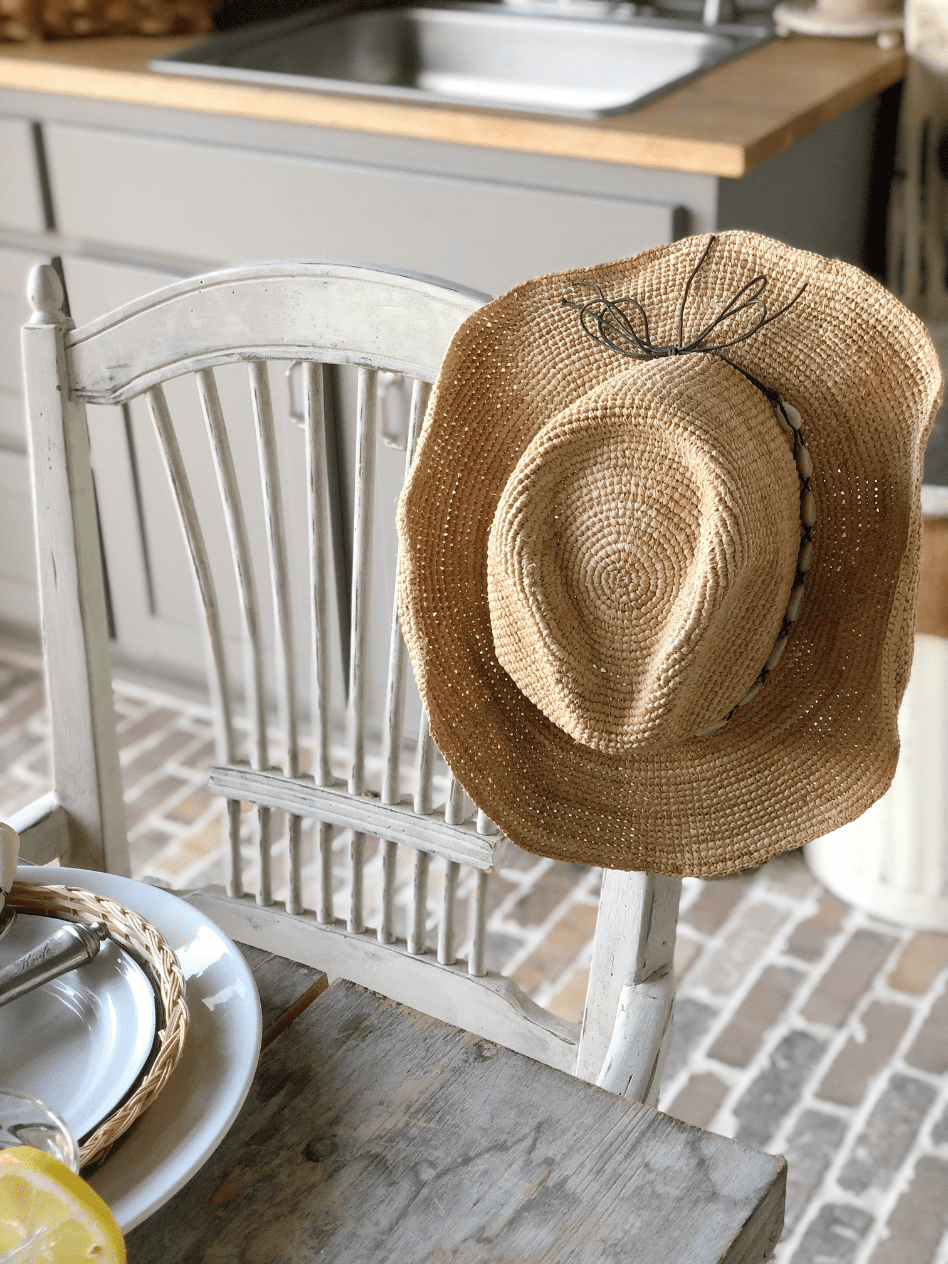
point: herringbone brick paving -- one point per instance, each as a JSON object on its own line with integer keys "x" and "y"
{"x": 803, "y": 1027}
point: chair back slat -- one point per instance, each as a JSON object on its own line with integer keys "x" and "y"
{"x": 446, "y": 945}
{"x": 355, "y": 923}
{"x": 294, "y": 881}
{"x": 235, "y": 874}
{"x": 255, "y": 702}
{"x": 386, "y": 926}
{"x": 197, "y": 549}
{"x": 485, "y": 825}
{"x": 420, "y": 394}
{"x": 393, "y": 733}
{"x": 319, "y": 552}
{"x": 475, "y": 960}
{"x": 366, "y": 440}
{"x": 454, "y": 813}
{"x": 397, "y": 654}
{"x": 424, "y": 768}
{"x": 264, "y": 855}
{"x": 286, "y": 686}
{"x": 324, "y": 901}
{"x": 418, "y": 922}
{"x": 276, "y": 546}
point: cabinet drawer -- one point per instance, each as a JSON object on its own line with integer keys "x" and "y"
{"x": 228, "y": 205}
{"x": 21, "y": 198}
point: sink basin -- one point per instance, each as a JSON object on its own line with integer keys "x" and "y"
{"x": 472, "y": 54}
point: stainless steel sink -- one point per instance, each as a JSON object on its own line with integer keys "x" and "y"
{"x": 473, "y": 54}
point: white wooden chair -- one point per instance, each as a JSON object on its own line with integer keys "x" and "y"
{"x": 315, "y": 314}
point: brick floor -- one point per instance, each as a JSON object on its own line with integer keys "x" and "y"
{"x": 803, "y": 1026}
{"x": 865, "y": 1053}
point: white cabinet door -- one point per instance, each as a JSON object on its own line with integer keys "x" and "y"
{"x": 236, "y": 206}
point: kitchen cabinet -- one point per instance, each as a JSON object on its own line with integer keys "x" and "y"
{"x": 131, "y": 197}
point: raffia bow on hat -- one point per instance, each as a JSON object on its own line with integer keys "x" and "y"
{"x": 607, "y": 533}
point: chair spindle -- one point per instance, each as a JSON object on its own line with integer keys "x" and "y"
{"x": 394, "y": 714}
{"x": 264, "y": 850}
{"x": 475, "y": 962}
{"x": 356, "y": 919}
{"x": 386, "y": 927}
{"x": 243, "y": 566}
{"x": 424, "y": 767}
{"x": 446, "y": 953}
{"x": 235, "y": 878}
{"x": 294, "y": 897}
{"x": 316, "y": 490}
{"x": 456, "y": 803}
{"x": 324, "y": 908}
{"x": 276, "y": 546}
{"x": 361, "y": 573}
{"x": 194, "y": 538}
{"x": 418, "y": 935}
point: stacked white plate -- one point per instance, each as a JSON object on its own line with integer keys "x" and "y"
{"x": 80, "y": 1043}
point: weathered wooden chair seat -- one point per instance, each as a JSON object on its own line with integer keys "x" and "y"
{"x": 374, "y": 1133}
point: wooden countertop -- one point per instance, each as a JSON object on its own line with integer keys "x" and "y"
{"x": 724, "y": 123}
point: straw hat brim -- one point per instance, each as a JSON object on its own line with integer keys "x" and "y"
{"x": 819, "y": 744}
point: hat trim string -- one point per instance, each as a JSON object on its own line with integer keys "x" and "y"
{"x": 605, "y": 321}
{"x": 609, "y": 318}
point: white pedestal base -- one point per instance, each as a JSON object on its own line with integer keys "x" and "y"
{"x": 893, "y": 860}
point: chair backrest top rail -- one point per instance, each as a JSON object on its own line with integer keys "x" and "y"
{"x": 327, "y": 312}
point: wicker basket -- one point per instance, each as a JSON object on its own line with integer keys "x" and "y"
{"x": 148, "y": 949}
{"x": 60, "y": 19}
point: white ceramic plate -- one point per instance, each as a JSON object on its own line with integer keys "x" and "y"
{"x": 175, "y": 1137}
{"x": 101, "y": 1016}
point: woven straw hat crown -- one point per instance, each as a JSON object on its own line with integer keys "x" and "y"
{"x": 658, "y": 587}
{"x": 642, "y": 554}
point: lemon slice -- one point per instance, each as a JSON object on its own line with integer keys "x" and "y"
{"x": 48, "y": 1215}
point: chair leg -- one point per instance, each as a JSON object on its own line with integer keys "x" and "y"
{"x": 632, "y": 1063}
{"x": 631, "y": 984}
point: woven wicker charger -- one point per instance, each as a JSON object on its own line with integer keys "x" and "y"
{"x": 150, "y": 951}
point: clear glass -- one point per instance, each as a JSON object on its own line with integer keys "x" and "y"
{"x": 26, "y": 1121}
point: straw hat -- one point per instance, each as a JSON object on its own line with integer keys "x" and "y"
{"x": 659, "y": 552}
